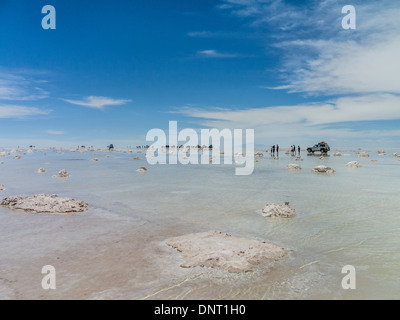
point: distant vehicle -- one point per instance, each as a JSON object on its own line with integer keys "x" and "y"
{"x": 322, "y": 147}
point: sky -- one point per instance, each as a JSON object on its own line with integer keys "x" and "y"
{"x": 113, "y": 70}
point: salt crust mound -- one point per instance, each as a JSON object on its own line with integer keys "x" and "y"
{"x": 223, "y": 251}
{"x": 2, "y": 187}
{"x": 45, "y": 203}
{"x": 293, "y": 166}
{"x": 363, "y": 154}
{"x": 62, "y": 174}
{"x": 353, "y": 164}
{"x": 142, "y": 170}
{"x": 41, "y": 170}
{"x": 323, "y": 169}
{"x": 278, "y": 210}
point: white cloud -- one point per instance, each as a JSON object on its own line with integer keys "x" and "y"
{"x": 215, "y": 54}
{"x": 306, "y": 121}
{"x": 55, "y": 132}
{"x": 97, "y": 102}
{"x": 350, "y": 67}
{"x": 14, "y": 111}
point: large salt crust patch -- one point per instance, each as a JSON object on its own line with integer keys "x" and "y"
{"x": 224, "y": 251}
{"x": 45, "y": 203}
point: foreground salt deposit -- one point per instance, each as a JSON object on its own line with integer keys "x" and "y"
{"x": 278, "y": 210}
{"x": 45, "y": 203}
{"x": 224, "y": 251}
{"x": 2, "y": 187}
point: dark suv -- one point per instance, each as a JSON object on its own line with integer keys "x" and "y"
{"x": 322, "y": 147}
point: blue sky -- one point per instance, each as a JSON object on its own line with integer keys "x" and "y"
{"x": 111, "y": 71}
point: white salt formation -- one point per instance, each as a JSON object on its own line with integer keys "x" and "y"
{"x": 2, "y": 187}
{"x": 293, "y": 166}
{"x": 45, "y": 203}
{"x": 94, "y": 160}
{"x": 363, "y": 154}
{"x": 323, "y": 169}
{"x": 337, "y": 154}
{"x": 18, "y": 156}
{"x": 41, "y": 170}
{"x": 224, "y": 251}
{"x": 142, "y": 170}
{"x": 278, "y": 210}
{"x": 353, "y": 164}
{"x": 63, "y": 174}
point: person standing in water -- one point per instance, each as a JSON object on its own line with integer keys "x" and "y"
{"x": 277, "y": 150}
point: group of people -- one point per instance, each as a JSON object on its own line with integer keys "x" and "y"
{"x": 273, "y": 149}
{"x": 292, "y": 150}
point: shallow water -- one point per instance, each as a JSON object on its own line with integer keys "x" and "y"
{"x": 351, "y": 217}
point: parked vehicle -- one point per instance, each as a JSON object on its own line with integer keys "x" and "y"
{"x": 322, "y": 147}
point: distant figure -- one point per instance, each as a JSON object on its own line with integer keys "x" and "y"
{"x": 277, "y": 150}
{"x": 111, "y": 147}
{"x": 273, "y": 150}
{"x": 298, "y": 148}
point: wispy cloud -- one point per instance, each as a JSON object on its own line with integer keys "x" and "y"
{"x": 17, "y": 112}
{"x": 318, "y": 56}
{"x": 55, "y": 132}
{"x": 216, "y": 54}
{"x": 20, "y": 86}
{"x": 201, "y": 34}
{"x": 98, "y": 102}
